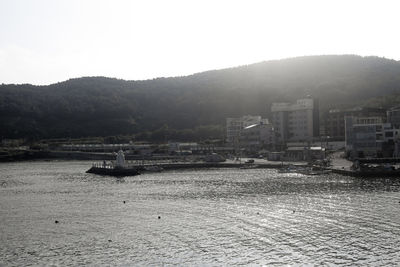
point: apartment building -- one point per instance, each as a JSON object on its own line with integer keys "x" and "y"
{"x": 257, "y": 136}
{"x": 235, "y": 126}
{"x": 296, "y": 121}
{"x": 370, "y": 137}
{"x": 334, "y": 119}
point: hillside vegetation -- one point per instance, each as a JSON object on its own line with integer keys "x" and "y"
{"x": 195, "y": 105}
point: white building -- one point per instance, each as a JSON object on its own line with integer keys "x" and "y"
{"x": 296, "y": 122}
{"x": 234, "y": 126}
{"x": 257, "y": 136}
{"x": 370, "y": 137}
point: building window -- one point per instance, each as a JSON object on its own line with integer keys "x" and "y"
{"x": 389, "y": 134}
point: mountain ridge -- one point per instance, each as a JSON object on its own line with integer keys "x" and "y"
{"x": 101, "y": 106}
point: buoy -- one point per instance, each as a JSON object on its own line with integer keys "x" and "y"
{"x": 159, "y": 217}
{"x": 258, "y": 213}
{"x": 55, "y": 221}
{"x": 124, "y": 201}
{"x": 294, "y": 211}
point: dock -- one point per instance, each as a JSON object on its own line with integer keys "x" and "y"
{"x": 205, "y": 165}
{"x": 134, "y": 168}
{"x": 367, "y": 174}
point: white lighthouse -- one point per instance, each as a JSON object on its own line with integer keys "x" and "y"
{"x": 120, "y": 159}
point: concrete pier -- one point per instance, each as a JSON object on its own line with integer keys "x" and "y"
{"x": 142, "y": 166}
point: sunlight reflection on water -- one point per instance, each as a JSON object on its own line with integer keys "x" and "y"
{"x": 208, "y": 217}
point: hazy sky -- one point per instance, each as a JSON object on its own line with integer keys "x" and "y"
{"x": 46, "y": 41}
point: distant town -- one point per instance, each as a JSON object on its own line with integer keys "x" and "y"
{"x": 295, "y": 132}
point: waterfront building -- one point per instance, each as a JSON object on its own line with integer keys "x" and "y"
{"x": 234, "y": 126}
{"x": 393, "y": 116}
{"x": 370, "y": 137}
{"x": 181, "y": 148}
{"x": 257, "y": 136}
{"x": 304, "y": 153}
{"x": 190, "y": 148}
{"x": 334, "y": 125}
{"x": 296, "y": 121}
{"x": 140, "y": 149}
{"x": 11, "y": 142}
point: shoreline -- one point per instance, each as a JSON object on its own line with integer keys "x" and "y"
{"x": 29, "y": 155}
{"x": 341, "y": 167}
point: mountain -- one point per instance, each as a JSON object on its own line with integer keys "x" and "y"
{"x": 99, "y": 106}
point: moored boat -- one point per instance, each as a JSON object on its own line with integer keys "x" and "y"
{"x": 119, "y": 169}
{"x": 115, "y": 171}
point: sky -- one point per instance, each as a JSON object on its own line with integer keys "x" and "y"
{"x": 48, "y": 41}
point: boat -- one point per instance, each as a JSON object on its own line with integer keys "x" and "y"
{"x": 120, "y": 168}
{"x": 367, "y": 170}
{"x": 115, "y": 171}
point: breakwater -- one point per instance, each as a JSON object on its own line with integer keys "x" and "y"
{"x": 170, "y": 165}
{"x": 156, "y": 166}
{"x": 201, "y": 165}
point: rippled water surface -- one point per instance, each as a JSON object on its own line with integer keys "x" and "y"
{"x": 194, "y": 217}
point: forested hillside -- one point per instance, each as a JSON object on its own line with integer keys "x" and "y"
{"x": 99, "y": 106}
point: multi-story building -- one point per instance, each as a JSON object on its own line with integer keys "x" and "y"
{"x": 393, "y": 116}
{"x": 334, "y": 126}
{"x": 296, "y": 122}
{"x": 257, "y": 136}
{"x": 370, "y": 137}
{"x": 234, "y": 126}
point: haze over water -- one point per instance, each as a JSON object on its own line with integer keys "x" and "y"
{"x": 207, "y": 217}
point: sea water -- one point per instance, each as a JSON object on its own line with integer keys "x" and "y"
{"x": 194, "y": 218}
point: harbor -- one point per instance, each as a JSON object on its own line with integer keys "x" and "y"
{"x": 208, "y": 216}
{"x": 130, "y": 168}
{"x": 336, "y": 164}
